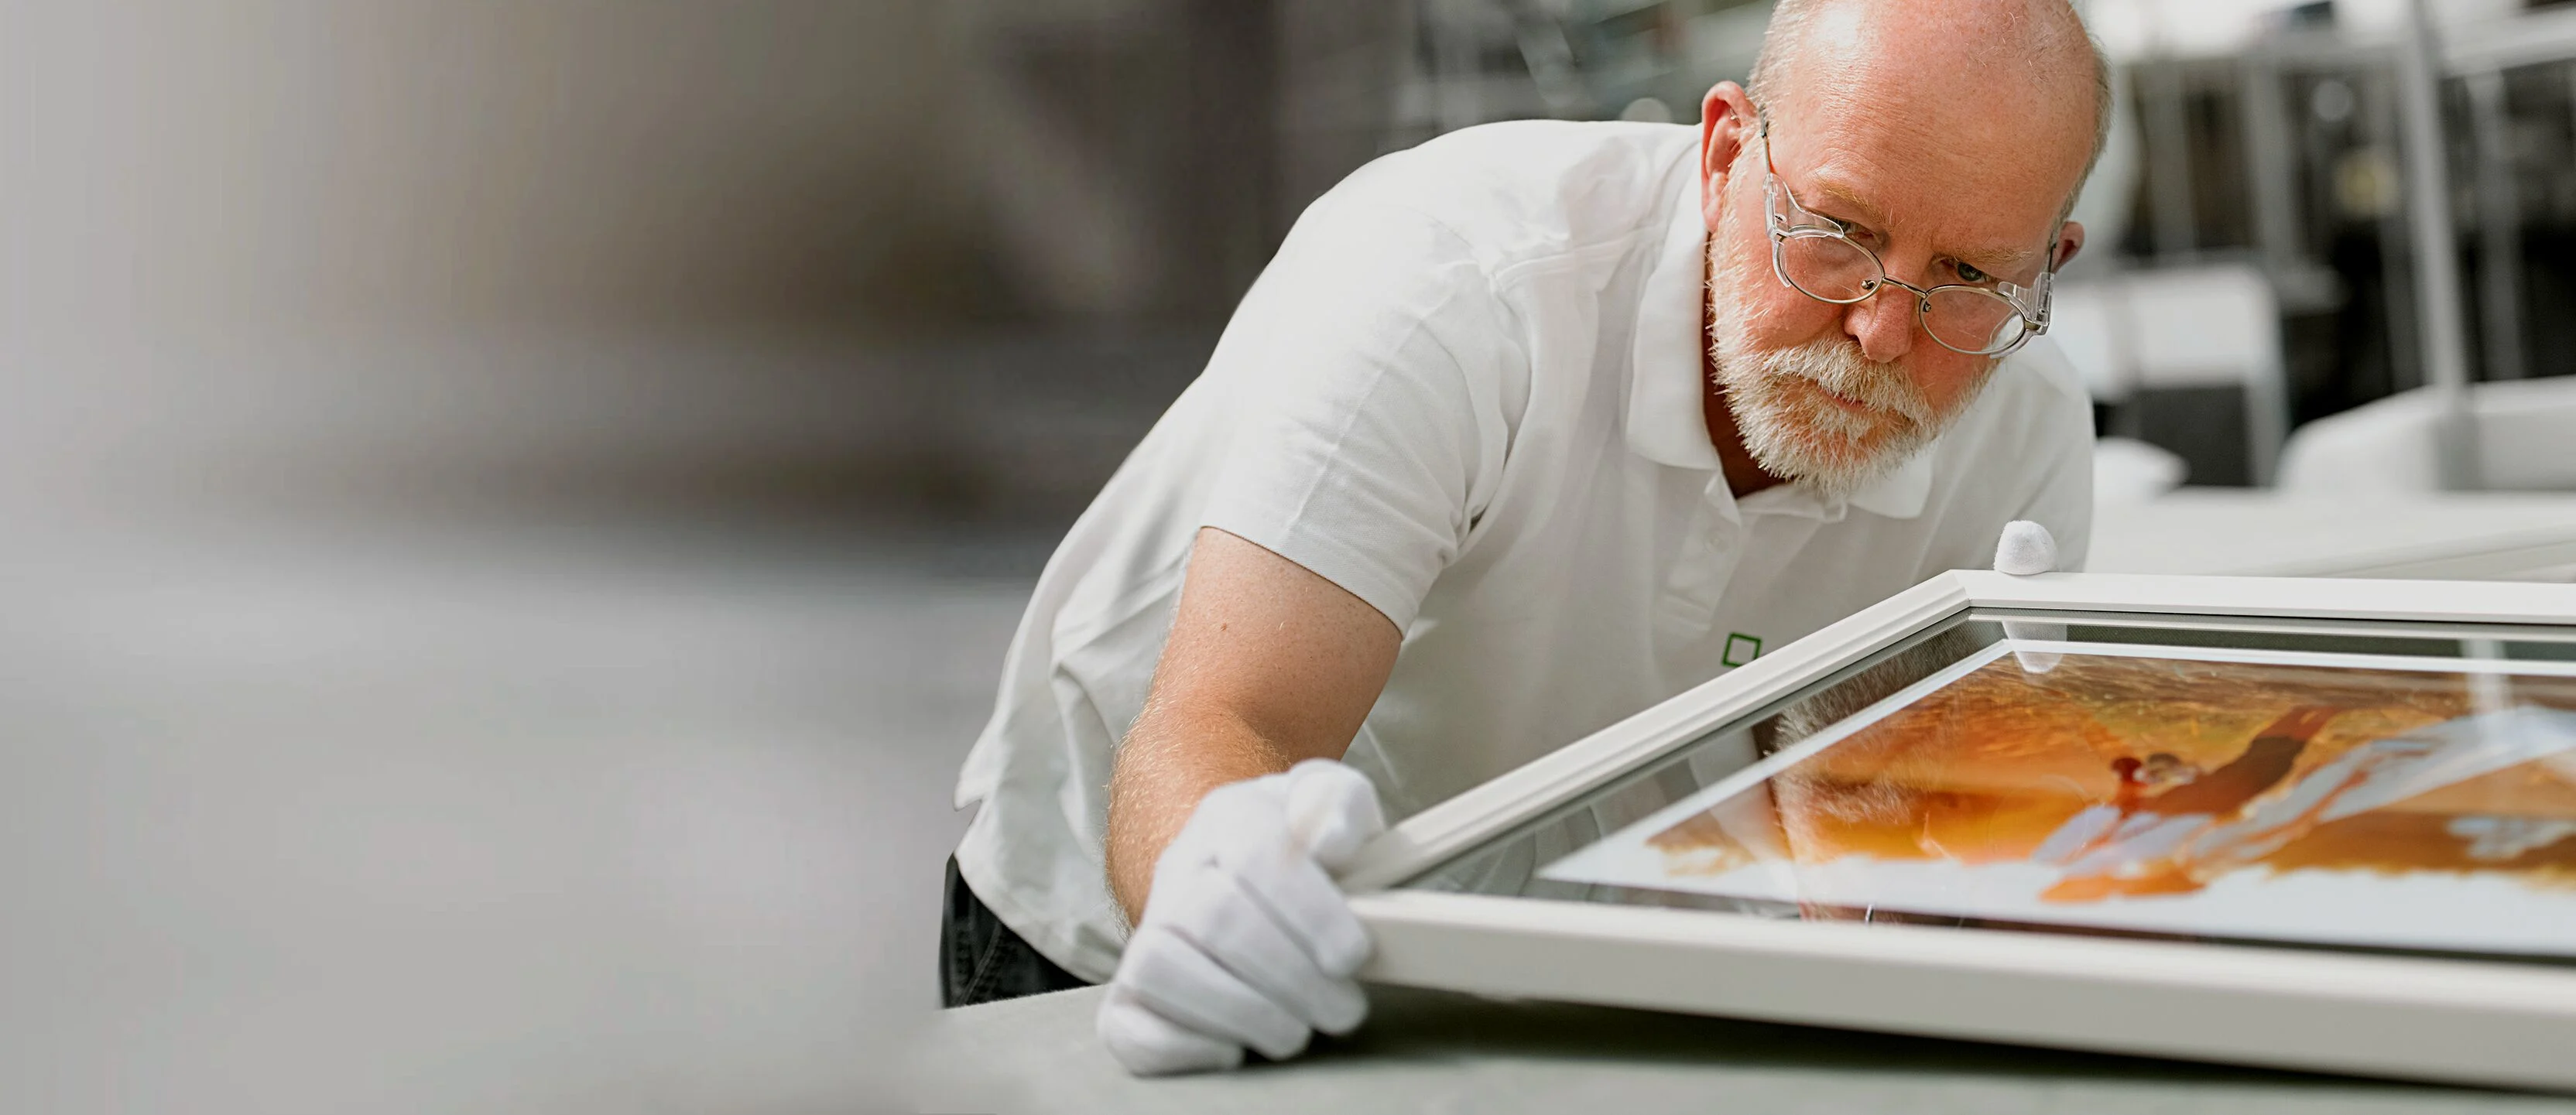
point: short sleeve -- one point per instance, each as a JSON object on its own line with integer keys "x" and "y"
{"x": 1363, "y": 371}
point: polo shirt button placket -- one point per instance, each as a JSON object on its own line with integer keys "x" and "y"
{"x": 1698, "y": 580}
{"x": 1726, "y": 551}
{"x": 1725, "y": 537}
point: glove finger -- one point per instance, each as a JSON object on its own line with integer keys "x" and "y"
{"x": 1347, "y": 1004}
{"x": 1293, "y": 888}
{"x": 1235, "y": 930}
{"x": 1168, "y": 973}
{"x": 1150, "y": 1045}
{"x": 1332, "y": 811}
{"x": 2026, "y": 548}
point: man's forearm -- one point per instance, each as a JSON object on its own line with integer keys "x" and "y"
{"x": 1171, "y": 759}
{"x": 1267, "y": 664}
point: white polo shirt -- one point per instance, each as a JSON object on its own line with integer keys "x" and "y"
{"x": 1468, "y": 390}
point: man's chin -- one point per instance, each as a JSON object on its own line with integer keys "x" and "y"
{"x": 1833, "y": 440}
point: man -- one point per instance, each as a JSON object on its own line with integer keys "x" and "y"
{"x": 1525, "y": 430}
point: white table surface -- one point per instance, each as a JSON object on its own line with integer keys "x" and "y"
{"x": 2242, "y": 531}
{"x": 1440, "y": 1052}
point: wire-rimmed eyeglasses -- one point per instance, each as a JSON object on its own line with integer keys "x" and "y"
{"x": 1815, "y": 255}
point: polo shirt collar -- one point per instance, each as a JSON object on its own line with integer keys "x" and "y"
{"x": 1666, "y": 423}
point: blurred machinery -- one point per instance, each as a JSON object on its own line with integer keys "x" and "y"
{"x": 2408, "y": 188}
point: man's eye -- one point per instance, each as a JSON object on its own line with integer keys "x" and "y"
{"x": 1968, "y": 274}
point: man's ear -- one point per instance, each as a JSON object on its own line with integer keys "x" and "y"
{"x": 1726, "y": 124}
{"x": 2070, "y": 240}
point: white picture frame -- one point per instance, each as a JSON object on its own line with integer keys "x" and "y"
{"x": 2385, "y": 1015}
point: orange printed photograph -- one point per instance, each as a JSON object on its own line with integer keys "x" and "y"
{"x": 2404, "y": 807}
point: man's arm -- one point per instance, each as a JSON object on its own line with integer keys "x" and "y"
{"x": 1267, "y": 664}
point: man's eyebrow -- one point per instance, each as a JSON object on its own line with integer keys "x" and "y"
{"x": 1825, "y": 187}
{"x": 1998, "y": 260}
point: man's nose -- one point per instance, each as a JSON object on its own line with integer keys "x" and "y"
{"x": 1884, "y": 325}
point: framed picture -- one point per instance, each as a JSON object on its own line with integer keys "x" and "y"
{"x": 2306, "y": 823}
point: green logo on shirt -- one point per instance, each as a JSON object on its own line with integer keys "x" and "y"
{"x": 1741, "y": 648}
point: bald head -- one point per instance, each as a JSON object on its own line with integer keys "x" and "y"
{"x": 2023, "y": 72}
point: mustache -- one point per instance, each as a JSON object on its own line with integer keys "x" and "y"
{"x": 1837, "y": 365}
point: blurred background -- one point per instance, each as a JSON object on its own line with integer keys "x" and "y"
{"x": 514, "y": 509}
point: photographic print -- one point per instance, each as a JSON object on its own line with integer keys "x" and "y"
{"x": 2332, "y": 799}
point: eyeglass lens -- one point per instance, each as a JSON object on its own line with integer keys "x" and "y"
{"x": 1837, "y": 270}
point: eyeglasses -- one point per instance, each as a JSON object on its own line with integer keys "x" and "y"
{"x": 1816, "y": 256}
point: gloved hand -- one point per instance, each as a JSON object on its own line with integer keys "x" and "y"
{"x": 1246, "y": 941}
{"x": 2027, "y": 549}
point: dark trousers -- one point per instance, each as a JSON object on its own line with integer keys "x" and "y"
{"x": 982, "y": 961}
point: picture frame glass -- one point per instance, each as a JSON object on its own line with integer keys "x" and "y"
{"x": 2319, "y": 784}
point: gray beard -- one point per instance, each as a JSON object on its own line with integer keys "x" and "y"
{"x": 1791, "y": 429}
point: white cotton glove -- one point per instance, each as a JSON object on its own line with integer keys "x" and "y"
{"x": 1246, "y": 942}
{"x": 2027, "y": 549}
